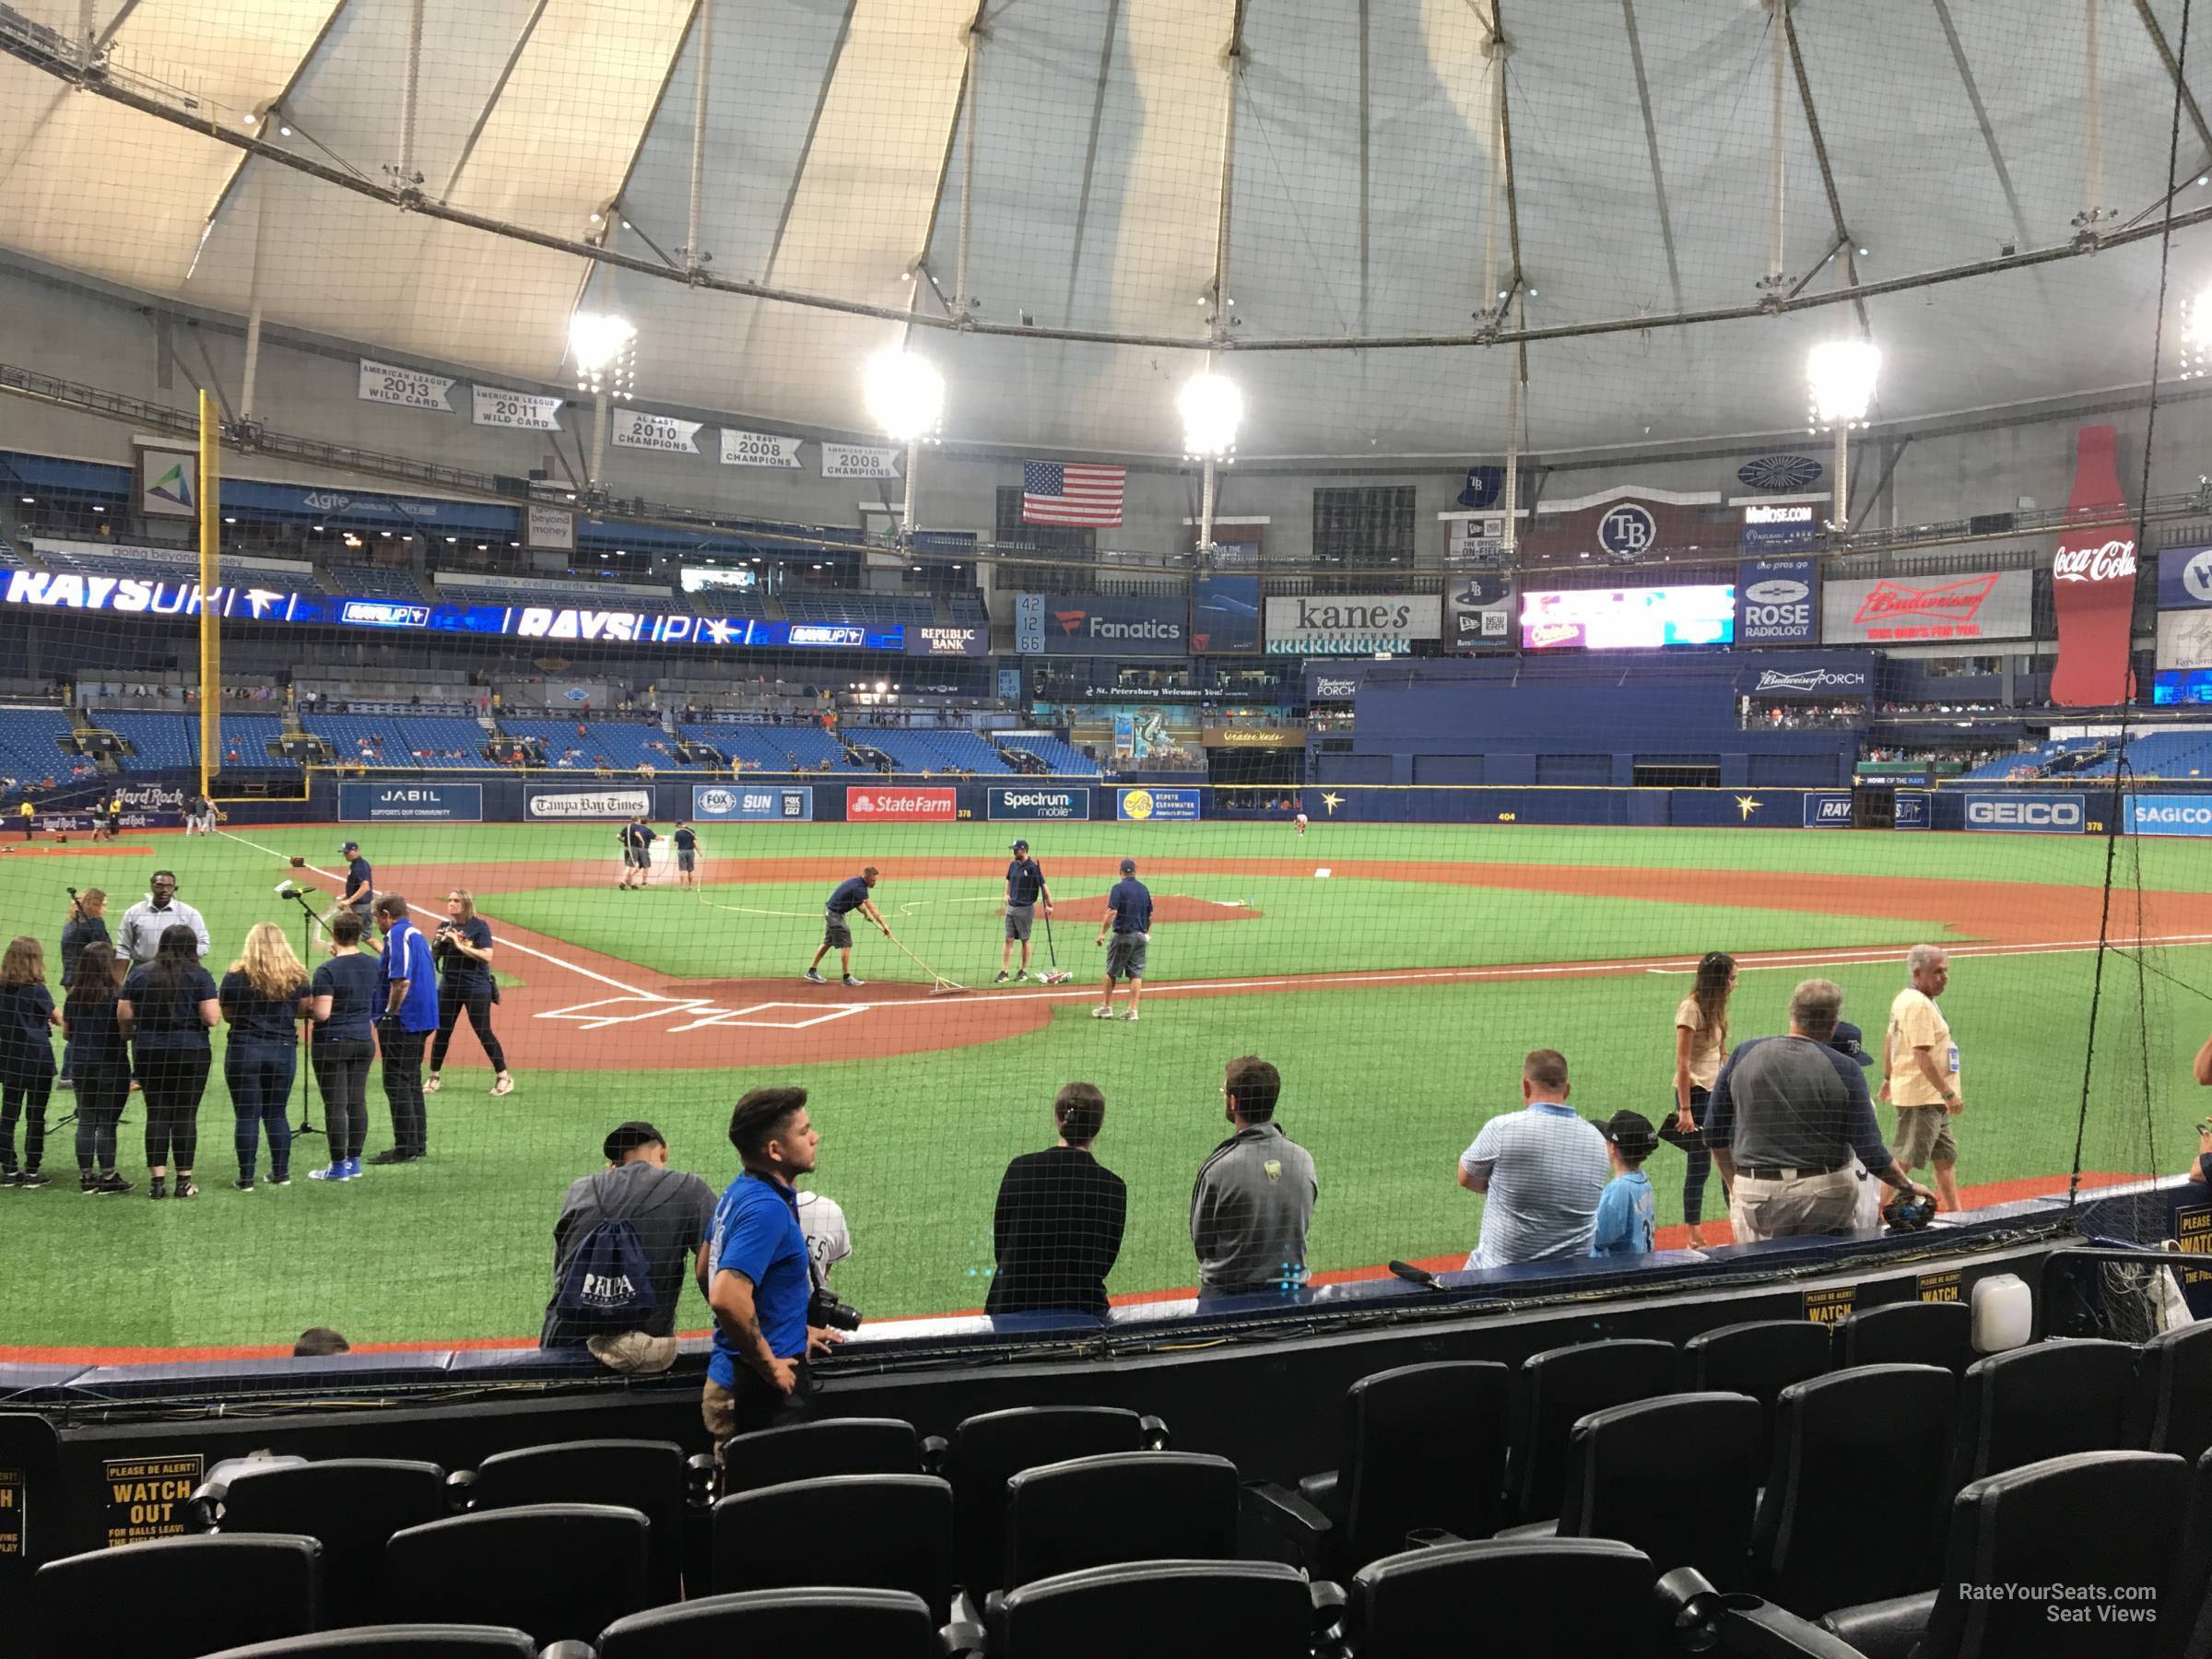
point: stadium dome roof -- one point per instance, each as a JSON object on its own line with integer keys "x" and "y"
{"x": 1360, "y": 200}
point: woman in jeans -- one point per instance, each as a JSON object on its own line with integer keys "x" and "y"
{"x": 1700, "y": 1047}
{"x": 102, "y": 1063}
{"x": 265, "y": 993}
{"x": 27, "y": 1021}
{"x": 342, "y": 1005}
{"x": 464, "y": 984}
{"x": 166, "y": 1010}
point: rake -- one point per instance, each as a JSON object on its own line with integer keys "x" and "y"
{"x": 939, "y": 984}
{"x": 1055, "y": 974}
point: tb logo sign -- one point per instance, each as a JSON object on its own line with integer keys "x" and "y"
{"x": 1628, "y": 530}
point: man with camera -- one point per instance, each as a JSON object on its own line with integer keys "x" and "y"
{"x": 756, "y": 1274}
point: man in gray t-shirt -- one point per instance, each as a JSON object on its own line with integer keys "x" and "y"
{"x": 1253, "y": 1199}
{"x": 672, "y": 1212}
{"x": 1540, "y": 1171}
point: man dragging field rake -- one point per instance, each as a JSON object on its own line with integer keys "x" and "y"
{"x": 850, "y": 895}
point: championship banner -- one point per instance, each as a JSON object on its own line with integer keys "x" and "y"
{"x": 858, "y": 461}
{"x": 1352, "y": 624}
{"x": 1480, "y": 611}
{"x": 758, "y": 449}
{"x": 1899, "y": 610}
{"x": 2093, "y": 583}
{"x": 1777, "y": 600}
{"x": 409, "y": 388}
{"x": 634, "y": 428}
{"x": 495, "y": 406}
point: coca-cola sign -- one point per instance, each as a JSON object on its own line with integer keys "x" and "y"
{"x": 2110, "y": 561}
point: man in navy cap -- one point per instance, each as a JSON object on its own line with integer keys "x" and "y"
{"x": 1025, "y": 886}
{"x": 359, "y": 896}
{"x": 1129, "y": 918}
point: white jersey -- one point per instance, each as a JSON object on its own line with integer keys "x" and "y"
{"x": 1301, "y": 820}
{"x": 829, "y": 1240}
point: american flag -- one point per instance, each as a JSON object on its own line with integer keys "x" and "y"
{"x": 1064, "y": 492}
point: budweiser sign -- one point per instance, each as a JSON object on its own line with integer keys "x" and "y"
{"x": 1953, "y": 602}
{"x": 2110, "y": 562}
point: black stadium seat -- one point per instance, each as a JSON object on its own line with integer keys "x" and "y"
{"x": 837, "y": 1623}
{"x": 2040, "y": 1402}
{"x": 1562, "y": 1598}
{"x": 352, "y": 1504}
{"x": 396, "y": 1641}
{"x": 1911, "y": 1333}
{"x": 563, "y": 1571}
{"x": 1636, "y": 1472}
{"x": 646, "y": 1476}
{"x": 1852, "y": 1510}
{"x": 988, "y": 1451}
{"x": 810, "y": 1450}
{"x": 1562, "y": 1387}
{"x": 1759, "y": 1358}
{"x": 1124, "y": 1506}
{"x": 1166, "y": 1610}
{"x": 2173, "y": 1391}
{"x": 178, "y": 1598}
{"x": 875, "y": 1532}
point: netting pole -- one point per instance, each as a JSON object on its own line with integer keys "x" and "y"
{"x": 1776, "y": 166}
{"x": 1206, "y": 508}
{"x": 959, "y": 282}
{"x": 2092, "y": 115}
{"x": 211, "y": 666}
{"x": 85, "y": 35}
{"x": 409, "y": 95}
{"x": 1841, "y": 478}
{"x": 906, "y": 510}
{"x": 693, "y": 254}
{"x": 599, "y": 419}
{"x": 260, "y": 249}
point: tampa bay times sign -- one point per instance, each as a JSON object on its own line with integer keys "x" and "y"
{"x": 1351, "y": 624}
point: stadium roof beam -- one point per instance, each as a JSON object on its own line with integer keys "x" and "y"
{"x": 1989, "y": 132}
{"x": 1091, "y": 151}
{"x": 2174, "y": 71}
{"x": 491, "y": 99}
{"x": 280, "y": 103}
{"x": 1651, "y": 145}
{"x": 1827, "y": 175}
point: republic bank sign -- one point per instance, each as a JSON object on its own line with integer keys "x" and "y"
{"x": 1352, "y": 624}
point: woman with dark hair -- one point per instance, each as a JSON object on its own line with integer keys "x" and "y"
{"x": 343, "y": 1003}
{"x": 166, "y": 1009}
{"x": 27, "y": 1019}
{"x": 1058, "y": 1227}
{"x": 102, "y": 1063}
{"x": 1700, "y": 1047}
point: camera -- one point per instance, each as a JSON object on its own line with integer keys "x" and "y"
{"x": 1909, "y": 1212}
{"x": 823, "y": 1308}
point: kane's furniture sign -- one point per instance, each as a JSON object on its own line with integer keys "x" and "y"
{"x": 1017, "y": 801}
{"x": 2170, "y": 815}
{"x": 1106, "y": 625}
{"x": 1352, "y": 624}
{"x": 901, "y": 805}
{"x": 738, "y": 803}
{"x": 410, "y": 803}
{"x": 1156, "y": 805}
{"x": 1777, "y": 600}
{"x": 1893, "y": 610}
{"x": 546, "y": 805}
{"x": 409, "y": 388}
{"x": 2026, "y": 813}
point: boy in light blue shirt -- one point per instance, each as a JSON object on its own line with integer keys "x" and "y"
{"x": 1626, "y": 1213}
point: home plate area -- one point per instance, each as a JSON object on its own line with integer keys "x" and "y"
{"x": 674, "y": 1014}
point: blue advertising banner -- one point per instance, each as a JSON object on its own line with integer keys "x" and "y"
{"x": 1033, "y": 802}
{"x": 1912, "y": 809}
{"x": 1331, "y": 682}
{"x": 2170, "y": 815}
{"x": 2186, "y": 579}
{"x": 2025, "y": 814}
{"x": 752, "y": 804}
{"x": 1107, "y": 625}
{"x": 410, "y": 803}
{"x": 374, "y": 511}
{"x": 1828, "y": 809}
{"x": 1225, "y": 615}
{"x": 1777, "y": 600}
{"x": 1156, "y": 805}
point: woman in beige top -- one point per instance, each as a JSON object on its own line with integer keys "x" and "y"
{"x": 1700, "y": 1047}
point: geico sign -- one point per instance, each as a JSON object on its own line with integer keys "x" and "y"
{"x": 1985, "y": 814}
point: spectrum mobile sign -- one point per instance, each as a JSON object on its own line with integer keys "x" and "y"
{"x": 901, "y": 805}
{"x": 1020, "y": 801}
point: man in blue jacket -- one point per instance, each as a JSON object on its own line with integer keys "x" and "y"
{"x": 408, "y": 982}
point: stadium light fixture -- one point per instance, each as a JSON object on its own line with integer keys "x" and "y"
{"x": 604, "y": 348}
{"x": 2197, "y": 336}
{"x": 905, "y": 396}
{"x": 1211, "y": 408}
{"x": 1839, "y": 377}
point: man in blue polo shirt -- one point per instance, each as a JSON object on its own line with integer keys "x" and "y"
{"x": 1025, "y": 886}
{"x": 1540, "y": 1172}
{"x": 850, "y": 895}
{"x": 407, "y": 1015}
{"x": 1129, "y": 917}
{"x": 756, "y": 1273}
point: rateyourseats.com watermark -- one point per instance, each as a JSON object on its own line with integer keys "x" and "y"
{"x": 2074, "y": 1603}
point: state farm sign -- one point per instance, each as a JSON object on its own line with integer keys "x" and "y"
{"x": 1991, "y": 606}
{"x": 901, "y": 805}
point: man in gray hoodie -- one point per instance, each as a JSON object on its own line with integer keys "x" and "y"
{"x": 1255, "y": 1196}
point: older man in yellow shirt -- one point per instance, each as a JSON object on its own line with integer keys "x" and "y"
{"x": 1920, "y": 1073}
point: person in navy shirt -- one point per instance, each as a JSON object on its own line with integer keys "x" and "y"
{"x": 636, "y": 837}
{"x": 27, "y": 1022}
{"x": 1129, "y": 917}
{"x": 464, "y": 949}
{"x": 849, "y": 895}
{"x": 102, "y": 1063}
{"x": 756, "y": 1273}
{"x": 405, "y": 1018}
{"x": 360, "y": 882}
{"x": 686, "y": 854}
{"x": 1626, "y": 1210}
{"x": 1025, "y": 886}
{"x": 263, "y": 995}
{"x": 343, "y": 1006}
{"x": 167, "y": 1008}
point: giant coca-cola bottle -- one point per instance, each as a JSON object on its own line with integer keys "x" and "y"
{"x": 2093, "y": 580}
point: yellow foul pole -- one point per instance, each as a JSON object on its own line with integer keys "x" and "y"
{"x": 211, "y": 640}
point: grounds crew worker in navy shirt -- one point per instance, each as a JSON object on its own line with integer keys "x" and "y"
{"x": 756, "y": 1273}
{"x": 1129, "y": 914}
{"x": 837, "y": 933}
{"x": 405, "y": 1019}
{"x": 360, "y": 882}
{"x": 1025, "y": 886}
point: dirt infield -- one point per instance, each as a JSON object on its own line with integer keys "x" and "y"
{"x": 640, "y": 1018}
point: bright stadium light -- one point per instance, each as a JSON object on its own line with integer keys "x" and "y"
{"x": 905, "y": 396}
{"x": 2197, "y": 336}
{"x": 604, "y": 348}
{"x": 1840, "y": 376}
{"x": 1211, "y": 408}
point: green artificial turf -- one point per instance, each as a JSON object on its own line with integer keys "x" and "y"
{"x": 1386, "y": 1084}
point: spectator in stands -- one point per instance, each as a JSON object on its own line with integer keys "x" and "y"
{"x": 93, "y": 1044}
{"x": 1701, "y": 1045}
{"x": 1788, "y": 1116}
{"x": 1539, "y": 1172}
{"x": 1057, "y": 1227}
{"x": 27, "y": 1021}
{"x": 86, "y": 925}
{"x": 342, "y": 1042}
{"x": 828, "y": 1235}
{"x": 670, "y": 1213}
{"x": 756, "y": 1272}
{"x": 166, "y": 1009}
{"x": 1626, "y": 1215}
{"x": 1920, "y": 1073}
{"x": 263, "y": 997}
{"x": 406, "y": 1016}
{"x": 1255, "y": 1196}
{"x": 319, "y": 1342}
{"x": 463, "y": 947}
{"x": 143, "y": 926}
